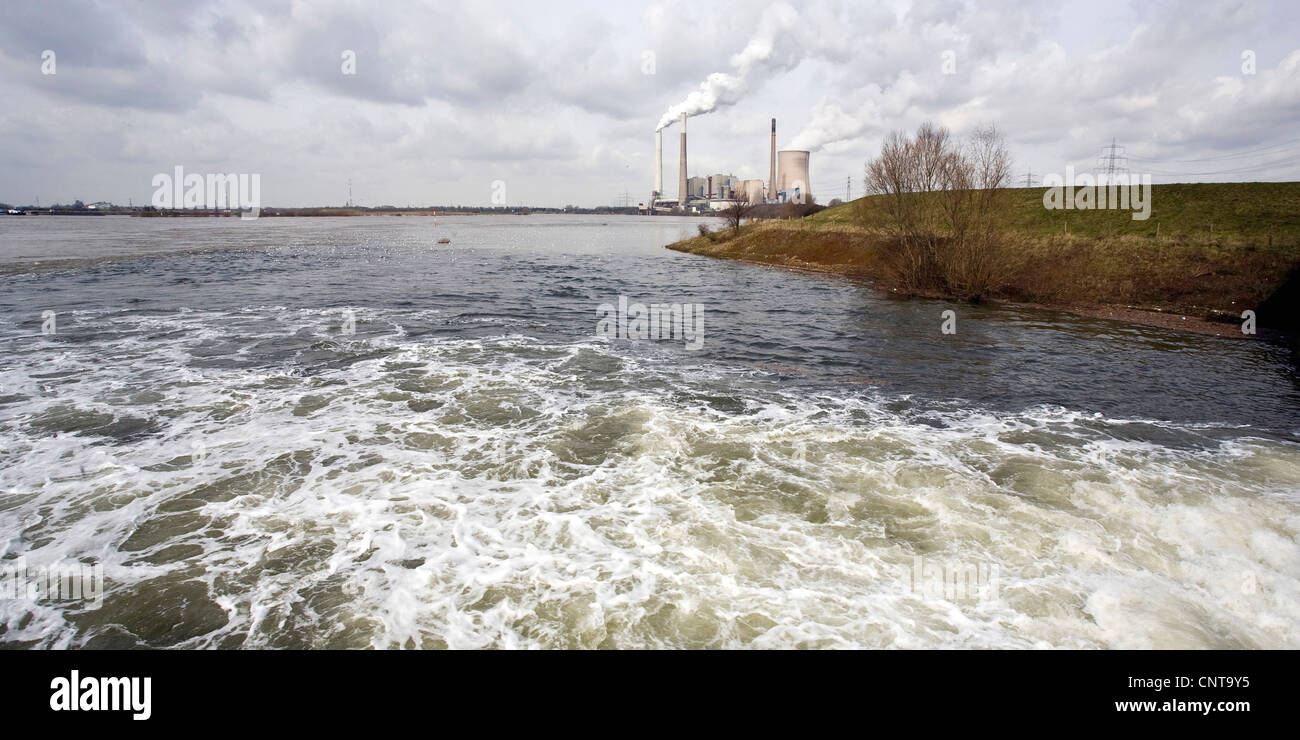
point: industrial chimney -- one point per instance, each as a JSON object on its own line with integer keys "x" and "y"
{"x": 659, "y": 165}
{"x": 681, "y": 181}
{"x": 771, "y": 177}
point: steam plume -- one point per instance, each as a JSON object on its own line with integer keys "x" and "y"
{"x": 726, "y": 88}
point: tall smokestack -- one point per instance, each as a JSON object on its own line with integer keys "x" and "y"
{"x": 659, "y": 164}
{"x": 771, "y": 177}
{"x": 681, "y": 180}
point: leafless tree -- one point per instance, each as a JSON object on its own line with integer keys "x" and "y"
{"x": 943, "y": 202}
{"x": 976, "y": 261}
{"x": 735, "y": 213}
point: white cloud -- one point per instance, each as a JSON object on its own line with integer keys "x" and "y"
{"x": 450, "y": 96}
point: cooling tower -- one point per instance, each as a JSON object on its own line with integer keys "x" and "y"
{"x": 771, "y": 177}
{"x": 751, "y": 191}
{"x": 792, "y": 173}
{"x": 681, "y": 179}
{"x": 659, "y": 164}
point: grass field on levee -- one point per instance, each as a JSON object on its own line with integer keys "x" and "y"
{"x": 1209, "y": 251}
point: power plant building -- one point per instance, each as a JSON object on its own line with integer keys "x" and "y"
{"x": 697, "y": 187}
{"x": 722, "y": 186}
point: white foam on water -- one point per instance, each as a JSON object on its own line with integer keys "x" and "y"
{"x": 508, "y": 493}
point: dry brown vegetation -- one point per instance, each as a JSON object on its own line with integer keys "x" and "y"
{"x": 1194, "y": 278}
{"x": 832, "y": 249}
{"x": 943, "y": 204}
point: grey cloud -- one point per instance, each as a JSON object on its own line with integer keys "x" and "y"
{"x": 450, "y": 95}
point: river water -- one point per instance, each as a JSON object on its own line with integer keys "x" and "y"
{"x": 306, "y": 432}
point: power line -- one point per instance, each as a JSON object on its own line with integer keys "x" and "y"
{"x": 1285, "y": 154}
{"x": 1258, "y": 167}
{"x": 1231, "y": 155}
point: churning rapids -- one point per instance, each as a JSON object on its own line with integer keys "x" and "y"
{"x": 475, "y": 467}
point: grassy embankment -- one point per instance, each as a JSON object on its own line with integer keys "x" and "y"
{"x": 1221, "y": 248}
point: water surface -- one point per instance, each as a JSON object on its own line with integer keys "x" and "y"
{"x": 475, "y": 467}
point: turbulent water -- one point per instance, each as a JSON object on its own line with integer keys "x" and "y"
{"x": 338, "y": 433}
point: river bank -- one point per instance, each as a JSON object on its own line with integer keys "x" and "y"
{"x": 1224, "y": 250}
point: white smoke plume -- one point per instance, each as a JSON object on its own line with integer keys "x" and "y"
{"x": 831, "y": 123}
{"x": 764, "y": 50}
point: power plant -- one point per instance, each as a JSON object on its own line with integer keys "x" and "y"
{"x": 788, "y": 181}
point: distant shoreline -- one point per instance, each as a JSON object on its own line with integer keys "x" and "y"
{"x": 329, "y": 211}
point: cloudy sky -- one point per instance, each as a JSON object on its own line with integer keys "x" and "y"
{"x": 560, "y": 100}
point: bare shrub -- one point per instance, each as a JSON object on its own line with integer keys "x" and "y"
{"x": 790, "y": 210}
{"x": 943, "y": 204}
{"x": 977, "y": 261}
{"x": 735, "y": 213}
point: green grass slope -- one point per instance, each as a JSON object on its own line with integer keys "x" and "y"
{"x": 1247, "y": 212}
